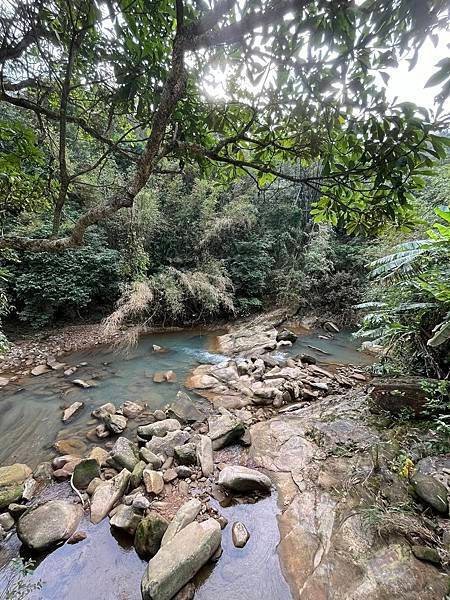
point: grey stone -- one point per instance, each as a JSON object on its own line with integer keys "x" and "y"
{"x": 165, "y": 445}
{"x": 243, "y": 479}
{"x": 131, "y": 409}
{"x": 103, "y": 410}
{"x": 150, "y": 458}
{"x": 125, "y": 454}
{"x": 186, "y": 454}
{"x": 107, "y": 495}
{"x": 136, "y": 475}
{"x": 115, "y": 423}
{"x": 184, "y": 409}
{"x": 432, "y": 491}
{"x": 6, "y": 521}
{"x": 159, "y": 429}
{"x": 73, "y": 408}
{"x": 225, "y": 429}
{"x": 126, "y": 519}
{"x": 239, "y": 534}
{"x": 49, "y": 523}
{"x": 141, "y": 503}
{"x": 185, "y": 515}
{"x": 177, "y": 562}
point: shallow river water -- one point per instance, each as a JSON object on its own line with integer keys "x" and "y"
{"x": 105, "y": 566}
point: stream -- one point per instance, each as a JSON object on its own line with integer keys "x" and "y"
{"x": 105, "y": 566}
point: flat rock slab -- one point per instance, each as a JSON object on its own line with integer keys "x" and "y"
{"x": 178, "y": 561}
{"x": 242, "y": 479}
{"x": 71, "y": 410}
{"x": 48, "y": 524}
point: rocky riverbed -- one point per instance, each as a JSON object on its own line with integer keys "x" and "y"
{"x": 349, "y": 525}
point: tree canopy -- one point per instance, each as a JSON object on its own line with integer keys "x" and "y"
{"x": 124, "y": 81}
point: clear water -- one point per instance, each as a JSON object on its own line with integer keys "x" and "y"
{"x": 30, "y": 412}
{"x": 105, "y": 565}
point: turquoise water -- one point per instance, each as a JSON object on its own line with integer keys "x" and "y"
{"x": 30, "y": 412}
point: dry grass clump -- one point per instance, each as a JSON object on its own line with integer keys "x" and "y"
{"x": 134, "y": 302}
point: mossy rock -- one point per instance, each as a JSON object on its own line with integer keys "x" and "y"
{"x": 149, "y": 533}
{"x": 427, "y": 554}
{"x": 136, "y": 475}
{"x": 84, "y": 472}
{"x": 431, "y": 491}
{"x": 10, "y": 494}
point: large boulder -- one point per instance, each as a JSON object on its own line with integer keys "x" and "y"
{"x": 242, "y": 479}
{"x": 107, "y": 495}
{"x": 149, "y": 533}
{"x": 49, "y": 523}
{"x": 84, "y": 472}
{"x": 185, "y": 515}
{"x": 124, "y": 454}
{"x": 205, "y": 455}
{"x": 431, "y": 491}
{"x": 160, "y": 428}
{"x": 225, "y": 429}
{"x": 165, "y": 445}
{"x": 177, "y": 562}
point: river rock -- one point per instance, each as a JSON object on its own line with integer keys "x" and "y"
{"x": 243, "y": 479}
{"x": 432, "y": 491}
{"x": 239, "y": 534}
{"x": 169, "y": 475}
{"x": 124, "y": 454}
{"x": 29, "y": 488}
{"x": 106, "y": 495}
{"x": 183, "y": 472}
{"x": 82, "y": 383}
{"x": 153, "y": 481}
{"x": 115, "y": 423}
{"x": 184, "y": 409}
{"x": 102, "y": 411}
{"x": 186, "y": 454}
{"x": 140, "y": 503}
{"x": 84, "y": 472}
{"x": 159, "y": 429}
{"x": 224, "y": 429}
{"x": 165, "y": 445}
{"x": 73, "y": 408}
{"x": 136, "y": 475}
{"x": 161, "y": 376}
{"x": 126, "y": 519}
{"x": 149, "y": 533}
{"x": 178, "y": 561}
{"x": 4, "y": 381}
{"x": 14, "y": 474}
{"x": 99, "y": 454}
{"x": 93, "y": 485}
{"x": 150, "y": 458}
{"x": 286, "y": 335}
{"x": 73, "y": 446}
{"x": 185, "y": 515}
{"x": 49, "y": 523}
{"x": 40, "y": 370}
{"x": 10, "y": 494}
{"x": 205, "y": 455}
{"x": 131, "y": 410}
{"x": 101, "y": 431}
{"x": 6, "y": 521}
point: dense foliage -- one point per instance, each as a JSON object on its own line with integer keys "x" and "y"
{"x": 409, "y": 309}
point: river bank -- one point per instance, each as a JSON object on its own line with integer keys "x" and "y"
{"x": 304, "y": 423}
